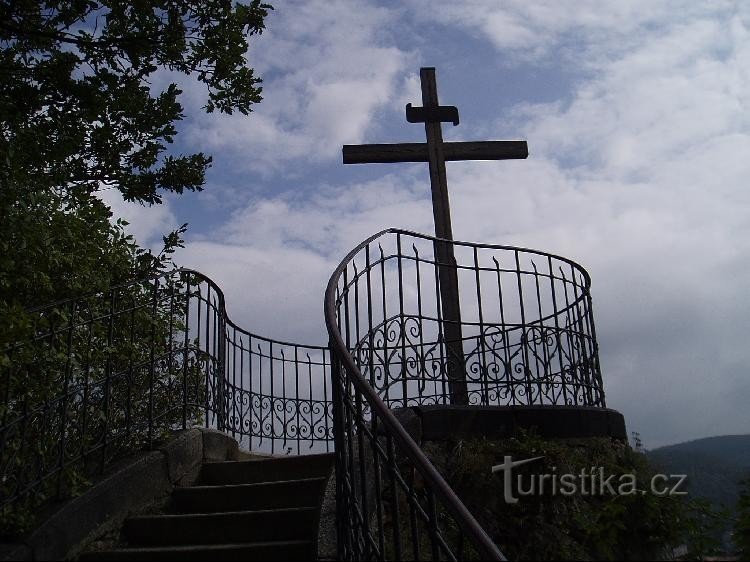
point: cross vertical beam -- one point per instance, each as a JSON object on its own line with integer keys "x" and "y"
{"x": 444, "y": 254}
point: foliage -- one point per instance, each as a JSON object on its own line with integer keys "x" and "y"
{"x": 55, "y": 246}
{"x": 103, "y": 376}
{"x": 702, "y": 527}
{"x": 77, "y": 110}
{"x": 52, "y": 249}
{"x": 100, "y": 373}
{"x": 634, "y": 526}
{"x": 741, "y": 536}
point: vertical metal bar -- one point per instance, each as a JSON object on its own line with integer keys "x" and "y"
{"x": 200, "y": 357}
{"x": 338, "y": 431}
{"x": 152, "y": 364}
{"x": 558, "y": 340}
{"x": 524, "y": 335}
{"x": 131, "y": 377}
{"x": 250, "y": 388}
{"x": 595, "y": 352}
{"x": 571, "y": 346}
{"x": 355, "y": 286}
{"x": 545, "y": 362}
{"x": 362, "y": 458}
{"x": 297, "y": 402}
{"x": 170, "y": 341}
{"x": 354, "y": 514}
{"x": 107, "y": 378}
{"x": 86, "y": 388}
{"x": 324, "y": 404}
{"x": 370, "y": 331}
{"x": 483, "y": 371}
{"x": 283, "y": 397}
{"x": 339, "y": 387}
{"x": 210, "y": 362}
{"x": 272, "y": 397}
{"x": 327, "y": 406}
{"x": 261, "y": 415}
{"x": 24, "y": 444}
{"x": 392, "y": 470}
{"x": 415, "y": 546}
{"x": 64, "y": 401}
{"x": 186, "y": 355}
{"x": 404, "y": 372}
{"x": 130, "y": 381}
{"x": 239, "y": 396}
{"x": 580, "y": 333}
{"x": 347, "y": 324}
{"x": 591, "y": 356}
{"x": 433, "y": 524}
{"x": 420, "y": 318}
{"x": 233, "y": 394}
{"x": 376, "y": 453}
{"x": 386, "y": 368}
{"x": 220, "y": 345}
{"x": 505, "y": 333}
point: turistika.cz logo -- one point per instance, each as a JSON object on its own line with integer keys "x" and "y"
{"x": 591, "y": 482}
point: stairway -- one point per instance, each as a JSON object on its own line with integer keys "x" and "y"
{"x": 238, "y": 510}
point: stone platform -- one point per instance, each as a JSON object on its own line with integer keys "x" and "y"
{"x": 446, "y": 422}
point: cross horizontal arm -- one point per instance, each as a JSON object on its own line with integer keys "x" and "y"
{"x": 417, "y": 152}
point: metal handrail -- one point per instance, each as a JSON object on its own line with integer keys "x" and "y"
{"x": 463, "y": 516}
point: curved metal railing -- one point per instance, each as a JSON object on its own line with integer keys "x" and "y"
{"x": 525, "y": 331}
{"x": 392, "y": 502}
{"x": 521, "y": 332}
{"x": 107, "y": 374}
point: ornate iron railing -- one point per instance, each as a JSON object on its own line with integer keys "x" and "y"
{"x": 107, "y": 374}
{"x": 526, "y": 324}
{"x": 525, "y": 337}
{"x": 110, "y": 373}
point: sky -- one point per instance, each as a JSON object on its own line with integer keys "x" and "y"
{"x": 637, "y": 117}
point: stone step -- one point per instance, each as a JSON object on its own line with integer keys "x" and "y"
{"x": 276, "y": 550}
{"x": 304, "y": 492}
{"x": 222, "y": 528}
{"x": 267, "y": 470}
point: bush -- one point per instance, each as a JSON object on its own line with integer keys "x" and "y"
{"x": 637, "y": 526}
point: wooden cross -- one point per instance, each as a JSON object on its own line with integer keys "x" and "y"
{"x": 436, "y": 153}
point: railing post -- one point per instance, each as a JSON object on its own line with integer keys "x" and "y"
{"x": 65, "y": 396}
{"x": 338, "y": 438}
{"x": 222, "y": 404}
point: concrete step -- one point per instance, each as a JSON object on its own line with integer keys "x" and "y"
{"x": 277, "y": 550}
{"x": 267, "y": 470}
{"x": 304, "y": 492}
{"x": 222, "y": 528}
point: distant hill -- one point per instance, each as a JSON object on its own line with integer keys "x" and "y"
{"x": 714, "y": 466}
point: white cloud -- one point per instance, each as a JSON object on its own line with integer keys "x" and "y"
{"x": 328, "y": 66}
{"x": 147, "y": 224}
{"x": 274, "y": 292}
{"x": 274, "y": 257}
{"x": 584, "y": 31}
{"x": 643, "y": 112}
{"x": 642, "y": 177}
